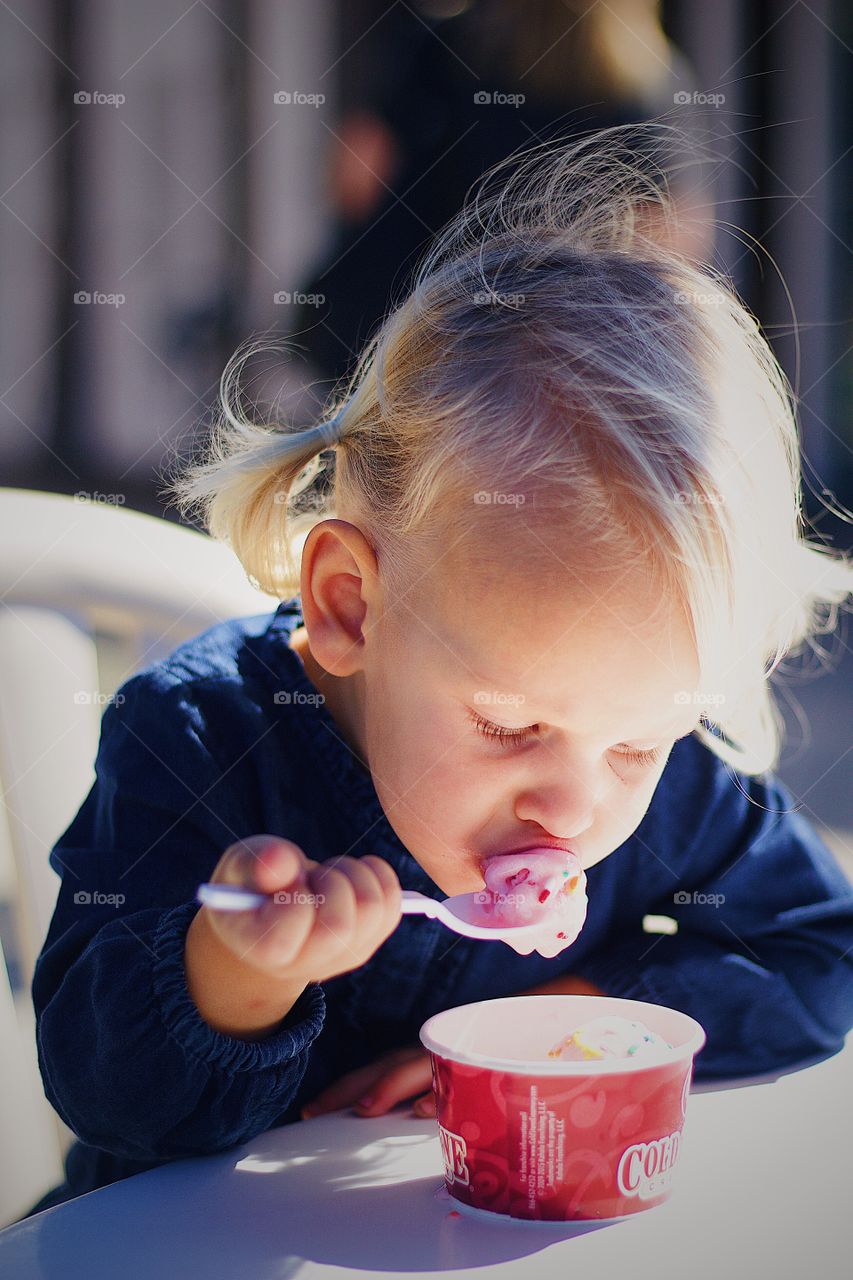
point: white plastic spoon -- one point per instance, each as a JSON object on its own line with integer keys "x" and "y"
{"x": 452, "y": 912}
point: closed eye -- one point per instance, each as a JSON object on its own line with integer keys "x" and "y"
{"x": 644, "y": 759}
{"x": 499, "y": 732}
{"x": 509, "y": 737}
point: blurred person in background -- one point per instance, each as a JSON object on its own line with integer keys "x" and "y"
{"x": 456, "y": 94}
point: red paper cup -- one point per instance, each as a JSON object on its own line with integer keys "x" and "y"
{"x": 539, "y": 1138}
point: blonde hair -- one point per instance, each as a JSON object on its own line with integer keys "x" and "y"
{"x": 557, "y": 49}
{"x": 554, "y": 346}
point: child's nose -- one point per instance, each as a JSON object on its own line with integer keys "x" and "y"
{"x": 563, "y": 806}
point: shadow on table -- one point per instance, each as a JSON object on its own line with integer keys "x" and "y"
{"x": 317, "y": 1190}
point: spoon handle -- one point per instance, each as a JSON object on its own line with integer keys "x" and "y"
{"x": 413, "y": 903}
{"x": 226, "y": 897}
{"x": 230, "y": 897}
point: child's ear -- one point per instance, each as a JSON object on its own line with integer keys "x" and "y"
{"x": 339, "y": 575}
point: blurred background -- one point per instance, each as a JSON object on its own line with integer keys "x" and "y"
{"x": 177, "y": 176}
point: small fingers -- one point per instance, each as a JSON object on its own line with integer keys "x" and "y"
{"x": 356, "y": 904}
{"x": 398, "y": 1084}
{"x": 391, "y": 891}
{"x": 344, "y": 1092}
{"x": 336, "y": 902}
{"x": 391, "y": 1078}
{"x": 366, "y": 887}
{"x": 262, "y": 862}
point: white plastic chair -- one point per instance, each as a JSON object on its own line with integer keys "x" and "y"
{"x": 91, "y": 592}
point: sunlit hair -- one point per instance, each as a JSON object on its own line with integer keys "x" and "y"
{"x": 561, "y": 387}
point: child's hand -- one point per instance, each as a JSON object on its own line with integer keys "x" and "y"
{"x": 396, "y": 1076}
{"x": 322, "y": 919}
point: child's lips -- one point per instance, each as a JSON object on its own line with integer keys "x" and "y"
{"x": 537, "y": 844}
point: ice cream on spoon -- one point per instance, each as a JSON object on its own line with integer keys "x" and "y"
{"x": 544, "y": 886}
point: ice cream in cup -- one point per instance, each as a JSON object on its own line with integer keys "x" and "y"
{"x": 561, "y": 1108}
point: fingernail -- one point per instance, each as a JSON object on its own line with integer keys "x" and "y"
{"x": 365, "y": 1102}
{"x": 308, "y": 1112}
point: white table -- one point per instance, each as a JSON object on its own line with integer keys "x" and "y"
{"x": 763, "y": 1191}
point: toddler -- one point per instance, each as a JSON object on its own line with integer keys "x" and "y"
{"x": 537, "y": 604}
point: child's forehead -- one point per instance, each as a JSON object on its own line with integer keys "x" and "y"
{"x": 561, "y": 613}
{"x": 569, "y": 655}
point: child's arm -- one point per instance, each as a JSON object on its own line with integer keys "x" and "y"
{"x": 231, "y": 997}
{"x": 763, "y": 956}
{"x": 126, "y": 1057}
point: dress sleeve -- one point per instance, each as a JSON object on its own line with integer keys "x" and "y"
{"x": 763, "y": 953}
{"x": 125, "y": 1057}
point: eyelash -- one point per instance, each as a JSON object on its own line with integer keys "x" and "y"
{"x": 505, "y": 737}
